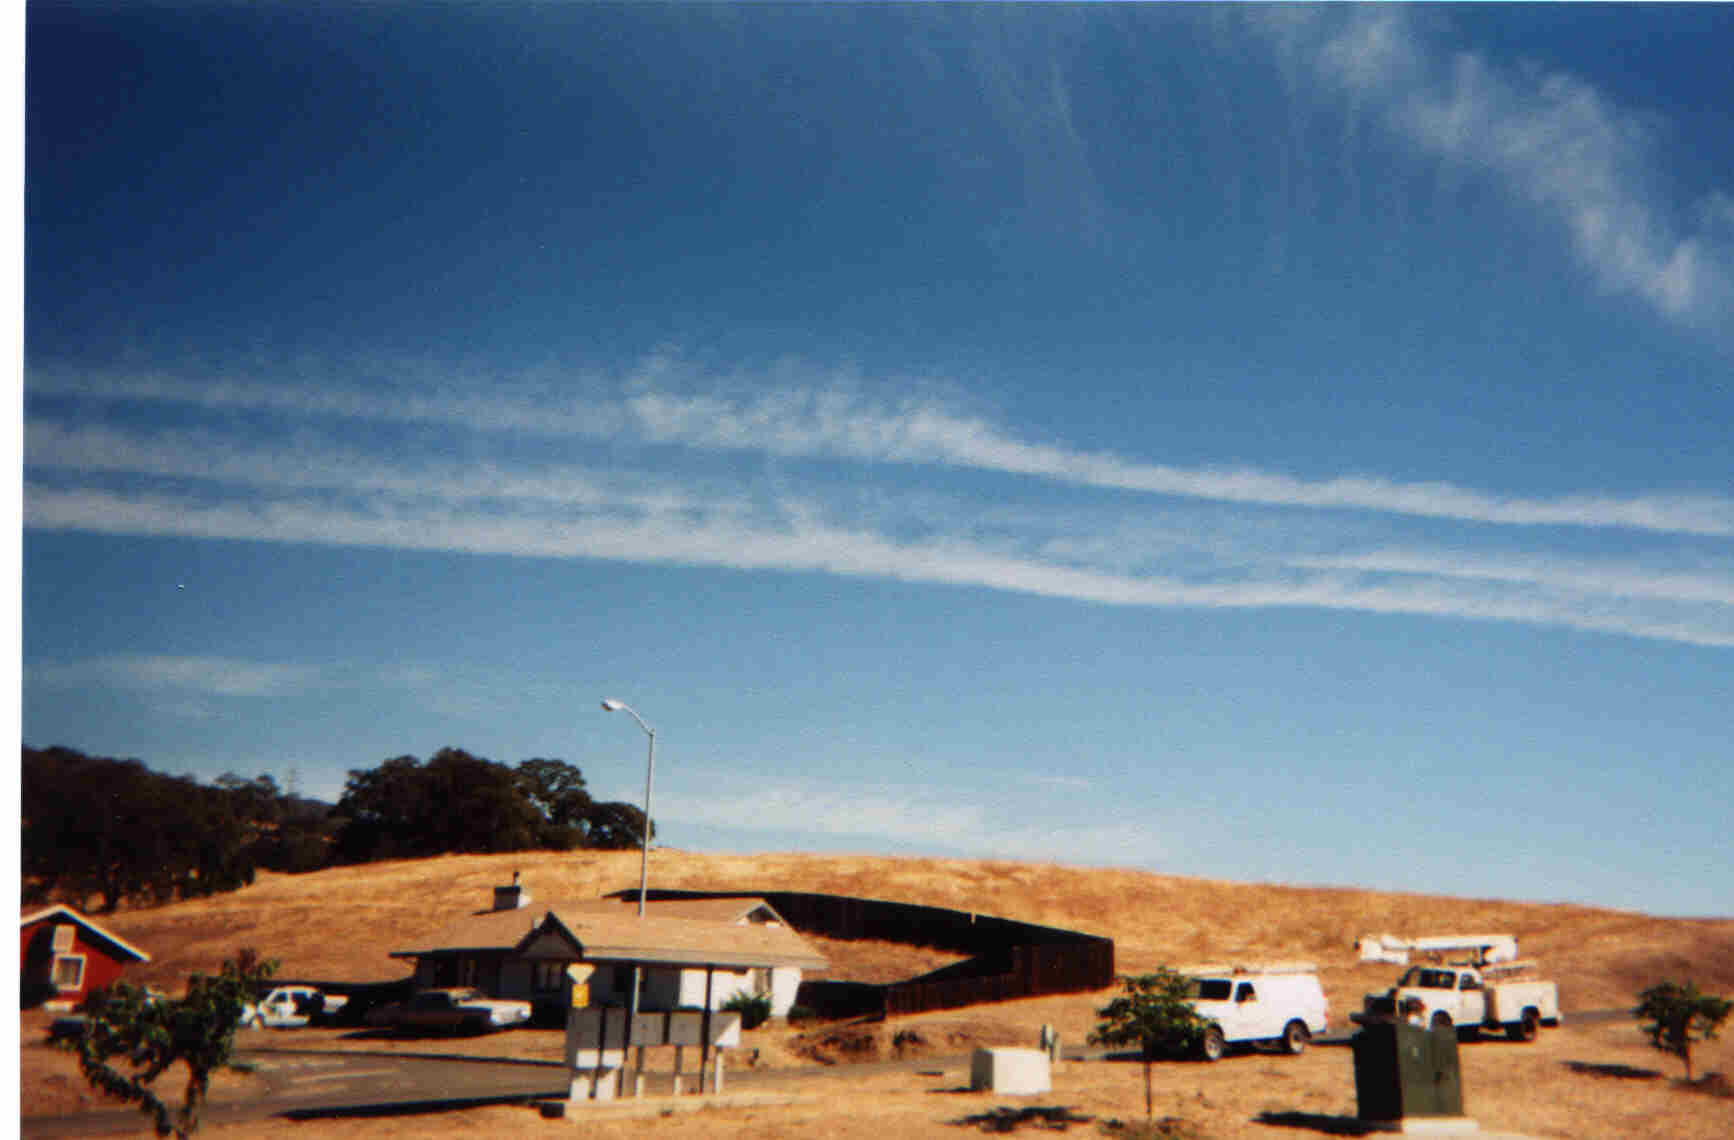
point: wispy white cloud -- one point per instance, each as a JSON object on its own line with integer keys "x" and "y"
{"x": 667, "y": 487}
{"x": 1552, "y": 141}
{"x": 804, "y": 541}
{"x": 918, "y": 818}
{"x": 1587, "y": 577}
{"x": 835, "y": 420}
{"x": 212, "y": 676}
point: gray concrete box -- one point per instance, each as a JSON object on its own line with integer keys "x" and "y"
{"x": 1014, "y": 1072}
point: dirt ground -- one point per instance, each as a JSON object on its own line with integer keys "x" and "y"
{"x": 1588, "y": 1081}
{"x": 1595, "y": 1081}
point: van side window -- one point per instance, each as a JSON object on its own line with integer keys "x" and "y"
{"x": 1469, "y": 982}
{"x": 1245, "y": 993}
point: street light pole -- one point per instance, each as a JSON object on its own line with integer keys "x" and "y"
{"x": 649, "y": 775}
{"x": 611, "y": 705}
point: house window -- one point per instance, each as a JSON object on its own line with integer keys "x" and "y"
{"x": 63, "y": 935}
{"x": 761, "y": 982}
{"x": 68, "y": 971}
{"x": 549, "y": 975}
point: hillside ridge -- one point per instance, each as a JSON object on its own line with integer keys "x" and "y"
{"x": 343, "y": 922}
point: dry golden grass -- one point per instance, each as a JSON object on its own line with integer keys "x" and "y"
{"x": 341, "y": 924}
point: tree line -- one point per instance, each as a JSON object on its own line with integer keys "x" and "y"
{"x": 96, "y": 827}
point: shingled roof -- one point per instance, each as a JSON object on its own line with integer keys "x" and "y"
{"x": 615, "y": 933}
{"x": 731, "y": 909}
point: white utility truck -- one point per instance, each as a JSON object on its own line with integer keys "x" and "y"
{"x": 1491, "y": 990}
{"x": 1276, "y": 1004}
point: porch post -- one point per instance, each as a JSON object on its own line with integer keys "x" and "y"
{"x": 704, "y": 1033}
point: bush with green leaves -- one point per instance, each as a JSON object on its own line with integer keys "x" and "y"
{"x": 1680, "y": 1015}
{"x": 149, "y": 1034}
{"x": 755, "y": 1009}
{"x": 1155, "y": 1013}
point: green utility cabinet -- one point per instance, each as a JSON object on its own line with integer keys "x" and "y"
{"x": 1404, "y": 1070}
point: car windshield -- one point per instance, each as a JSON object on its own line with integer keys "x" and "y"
{"x": 1209, "y": 989}
{"x": 1419, "y": 977}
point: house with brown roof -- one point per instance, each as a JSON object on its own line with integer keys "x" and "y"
{"x": 694, "y": 953}
{"x": 64, "y": 956}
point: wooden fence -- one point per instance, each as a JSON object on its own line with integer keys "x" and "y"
{"x": 1009, "y": 959}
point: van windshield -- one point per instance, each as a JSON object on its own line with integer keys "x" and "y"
{"x": 1210, "y": 989}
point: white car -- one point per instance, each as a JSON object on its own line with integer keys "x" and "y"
{"x": 1282, "y": 1008}
{"x": 291, "y": 1007}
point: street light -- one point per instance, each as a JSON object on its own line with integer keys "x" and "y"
{"x": 611, "y": 705}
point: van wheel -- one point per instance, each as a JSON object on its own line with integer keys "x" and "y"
{"x": 1213, "y": 1046}
{"x": 1527, "y": 1028}
{"x": 1441, "y": 1020}
{"x": 1294, "y": 1038}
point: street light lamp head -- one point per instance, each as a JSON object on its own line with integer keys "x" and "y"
{"x": 612, "y": 705}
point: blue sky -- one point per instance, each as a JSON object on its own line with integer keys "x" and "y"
{"x": 1281, "y": 444}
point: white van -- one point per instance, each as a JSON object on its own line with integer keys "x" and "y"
{"x": 1284, "y": 1007}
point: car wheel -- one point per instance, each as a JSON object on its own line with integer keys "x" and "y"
{"x": 1213, "y": 1046}
{"x": 1527, "y": 1029}
{"x": 1294, "y": 1038}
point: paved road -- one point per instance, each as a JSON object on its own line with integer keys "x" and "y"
{"x": 324, "y": 1083}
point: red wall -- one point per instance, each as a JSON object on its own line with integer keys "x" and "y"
{"x": 36, "y": 953}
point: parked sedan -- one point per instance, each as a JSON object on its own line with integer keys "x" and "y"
{"x": 462, "y": 1010}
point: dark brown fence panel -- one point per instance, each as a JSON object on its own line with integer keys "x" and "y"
{"x": 1010, "y": 959}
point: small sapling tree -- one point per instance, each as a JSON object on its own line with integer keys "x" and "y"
{"x": 149, "y": 1034}
{"x": 1155, "y": 1013}
{"x": 1679, "y": 1015}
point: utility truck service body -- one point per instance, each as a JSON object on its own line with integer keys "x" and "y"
{"x": 1491, "y": 991}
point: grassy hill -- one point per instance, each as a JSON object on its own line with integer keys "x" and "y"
{"x": 341, "y": 923}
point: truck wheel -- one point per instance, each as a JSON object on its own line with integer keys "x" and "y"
{"x": 1294, "y": 1038}
{"x": 1213, "y": 1045}
{"x": 1527, "y": 1028}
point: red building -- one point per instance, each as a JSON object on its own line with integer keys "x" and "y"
{"x": 65, "y": 956}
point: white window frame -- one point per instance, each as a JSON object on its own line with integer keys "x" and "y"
{"x": 54, "y": 972}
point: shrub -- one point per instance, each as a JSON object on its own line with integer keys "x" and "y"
{"x": 1680, "y": 1015}
{"x": 800, "y": 1013}
{"x": 755, "y": 1009}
